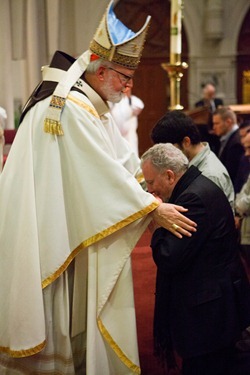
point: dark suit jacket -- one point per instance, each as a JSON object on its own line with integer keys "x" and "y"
{"x": 202, "y": 293}
{"x": 231, "y": 155}
{"x": 242, "y": 173}
{"x": 203, "y": 103}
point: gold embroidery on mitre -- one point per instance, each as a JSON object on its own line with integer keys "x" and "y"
{"x": 111, "y": 54}
{"x": 124, "y": 60}
{"x": 135, "y": 47}
{"x": 127, "y": 54}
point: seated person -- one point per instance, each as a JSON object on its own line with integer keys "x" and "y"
{"x": 209, "y": 100}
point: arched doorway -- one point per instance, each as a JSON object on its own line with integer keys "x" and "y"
{"x": 151, "y": 82}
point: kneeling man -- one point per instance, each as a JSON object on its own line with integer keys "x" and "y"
{"x": 202, "y": 293}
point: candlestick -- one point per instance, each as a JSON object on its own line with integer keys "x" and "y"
{"x": 175, "y": 73}
{"x": 175, "y": 68}
{"x": 175, "y": 31}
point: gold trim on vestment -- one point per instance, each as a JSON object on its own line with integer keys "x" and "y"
{"x": 23, "y": 352}
{"x": 54, "y": 126}
{"x": 81, "y": 104}
{"x": 97, "y": 237}
{"x": 90, "y": 241}
{"x": 121, "y": 355}
{"x": 140, "y": 178}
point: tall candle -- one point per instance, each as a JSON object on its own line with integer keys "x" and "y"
{"x": 175, "y": 27}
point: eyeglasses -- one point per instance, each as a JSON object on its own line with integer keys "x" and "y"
{"x": 124, "y": 78}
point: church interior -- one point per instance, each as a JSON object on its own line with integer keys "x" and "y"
{"x": 215, "y": 47}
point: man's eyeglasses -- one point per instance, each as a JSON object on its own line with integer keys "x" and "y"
{"x": 123, "y": 77}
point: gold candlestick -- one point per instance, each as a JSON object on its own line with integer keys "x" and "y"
{"x": 175, "y": 73}
{"x": 175, "y": 68}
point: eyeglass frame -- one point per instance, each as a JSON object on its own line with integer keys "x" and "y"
{"x": 126, "y": 78}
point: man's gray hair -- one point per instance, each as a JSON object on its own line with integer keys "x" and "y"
{"x": 166, "y": 156}
{"x": 93, "y": 66}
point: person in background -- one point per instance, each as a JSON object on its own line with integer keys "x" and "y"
{"x": 242, "y": 207}
{"x": 202, "y": 299}
{"x": 71, "y": 212}
{"x": 125, "y": 114}
{"x": 244, "y": 165}
{"x": 3, "y": 118}
{"x": 210, "y": 102}
{"x": 177, "y": 128}
{"x": 231, "y": 150}
{"x": 209, "y": 98}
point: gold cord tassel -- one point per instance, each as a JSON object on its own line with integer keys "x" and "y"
{"x": 53, "y": 127}
{"x": 52, "y": 123}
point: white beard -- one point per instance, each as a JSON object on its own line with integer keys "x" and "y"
{"x": 111, "y": 95}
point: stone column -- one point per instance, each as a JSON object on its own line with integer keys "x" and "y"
{"x": 213, "y": 20}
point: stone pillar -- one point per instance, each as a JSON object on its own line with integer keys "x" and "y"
{"x": 213, "y": 20}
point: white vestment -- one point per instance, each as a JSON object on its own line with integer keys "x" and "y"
{"x": 125, "y": 114}
{"x": 3, "y": 118}
{"x": 71, "y": 212}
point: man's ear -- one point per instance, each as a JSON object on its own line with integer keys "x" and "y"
{"x": 100, "y": 73}
{"x": 229, "y": 122}
{"x": 170, "y": 175}
{"x": 186, "y": 142}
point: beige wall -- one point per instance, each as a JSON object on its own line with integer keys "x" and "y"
{"x": 30, "y": 32}
{"x": 213, "y": 28}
